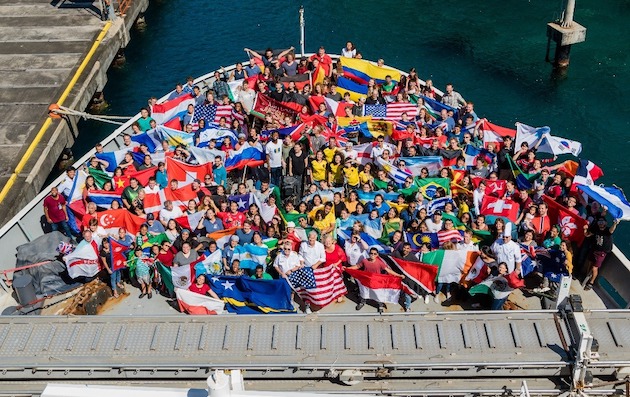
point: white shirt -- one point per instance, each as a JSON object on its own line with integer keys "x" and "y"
{"x": 432, "y": 226}
{"x": 467, "y": 247}
{"x": 312, "y": 254}
{"x": 478, "y": 199}
{"x": 508, "y": 252}
{"x": 351, "y": 154}
{"x": 156, "y": 189}
{"x": 355, "y": 253}
{"x": 165, "y": 214}
{"x": 274, "y": 151}
{"x": 286, "y": 263}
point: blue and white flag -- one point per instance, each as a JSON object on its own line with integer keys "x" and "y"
{"x": 612, "y": 197}
{"x": 150, "y": 138}
{"x": 416, "y": 164}
{"x": 399, "y": 176}
{"x": 471, "y": 154}
{"x": 251, "y": 255}
{"x": 344, "y": 235}
{"x": 529, "y": 134}
{"x": 103, "y": 199}
{"x": 174, "y": 137}
{"x": 437, "y": 204}
{"x": 205, "y": 155}
{"x": 216, "y": 134}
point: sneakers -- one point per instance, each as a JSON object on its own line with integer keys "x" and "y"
{"x": 141, "y": 296}
{"x": 448, "y": 295}
{"x": 426, "y": 299}
{"x": 380, "y": 309}
{"x": 360, "y": 305}
{"x": 308, "y": 310}
{"x": 588, "y": 287}
{"x": 150, "y": 295}
{"x": 408, "y": 309}
{"x": 436, "y": 299}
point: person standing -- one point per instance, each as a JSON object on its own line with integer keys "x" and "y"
{"x": 273, "y": 150}
{"x": 374, "y": 264}
{"x": 56, "y": 212}
{"x": 602, "y": 244}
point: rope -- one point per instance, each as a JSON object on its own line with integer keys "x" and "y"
{"x": 104, "y": 118}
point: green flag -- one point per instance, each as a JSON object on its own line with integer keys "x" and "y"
{"x": 427, "y": 186}
{"x": 167, "y": 278}
{"x": 100, "y": 177}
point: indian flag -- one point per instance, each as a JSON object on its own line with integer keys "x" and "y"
{"x": 222, "y": 237}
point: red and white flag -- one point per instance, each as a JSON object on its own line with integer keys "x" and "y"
{"x": 383, "y": 288}
{"x": 328, "y": 287}
{"x": 83, "y": 261}
{"x": 587, "y": 173}
{"x": 194, "y": 303}
{"x": 190, "y": 221}
{"x": 449, "y": 235}
{"x": 112, "y": 220}
{"x": 183, "y": 276}
{"x": 493, "y": 133}
{"x": 571, "y": 224}
{"x": 495, "y": 188}
{"x": 166, "y": 111}
{"x": 186, "y": 173}
{"x": 498, "y": 207}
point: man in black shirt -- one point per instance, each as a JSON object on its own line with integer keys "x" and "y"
{"x": 602, "y": 244}
{"x": 298, "y": 161}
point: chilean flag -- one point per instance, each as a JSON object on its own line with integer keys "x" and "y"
{"x": 168, "y": 110}
{"x": 498, "y": 207}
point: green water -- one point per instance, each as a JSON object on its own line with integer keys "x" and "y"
{"x": 493, "y": 52}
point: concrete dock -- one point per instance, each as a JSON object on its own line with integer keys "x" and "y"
{"x": 42, "y": 46}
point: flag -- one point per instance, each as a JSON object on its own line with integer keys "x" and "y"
{"x": 194, "y": 303}
{"x": 244, "y": 295}
{"x": 329, "y": 287}
{"x": 344, "y": 235}
{"x": 100, "y": 177}
{"x": 118, "y": 254}
{"x": 361, "y": 71}
{"x": 209, "y": 264}
{"x": 434, "y": 108}
{"x": 279, "y": 111}
{"x": 113, "y": 158}
{"x": 190, "y": 221}
{"x": 216, "y": 134}
{"x": 453, "y": 264}
{"x": 182, "y": 276}
{"x": 103, "y": 199}
{"x": 497, "y": 287}
{"x": 303, "y": 278}
{"x": 417, "y": 239}
{"x": 499, "y": 207}
{"x": 251, "y": 255}
{"x": 494, "y": 188}
{"x": 529, "y": 135}
{"x": 244, "y": 201}
{"x": 186, "y": 173}
{"x": 437, "y": 204}
{"x": 83, "y": 261}
{"x": 391, "y": 111}
{"x": 151, "y": 138}
{"x": 612, "y": 197}
{"x": 143, "y": 176}
{"x": 318, "y": 75}
{"x": 571, "y": 224}
{"x": 222, "y": 237}
{"x": 174, "y": 124}
{"x": 174, "y": 137}
{"x": 419, "y": 277}
{"x": 115, "y": 219}
{"x": 246, "y": 156}
{"x": 296, "y": 132}
{"x": 494, "y": 133}
{"x": 471, "y": 154}
{"x": 556, "y": 146}
{"x": 205, "y": 155}
{"x": 416, "y": 164}
{"x": 399, "y": 176}
{"x": 453, "y": 235}
{"x": 207, "y": 112}
{"x": 383, "y": 288}
{"x": 587, "y": 173}
{"x": 177, "y": 107}
{"x": 478, "y": 272}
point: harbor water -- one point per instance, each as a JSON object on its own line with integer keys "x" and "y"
{"x": 492, "y": 51}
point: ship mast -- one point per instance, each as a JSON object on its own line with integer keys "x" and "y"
{"x": 301, "y": 30}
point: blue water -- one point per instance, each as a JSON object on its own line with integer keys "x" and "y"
{"x": 492, "y": 51}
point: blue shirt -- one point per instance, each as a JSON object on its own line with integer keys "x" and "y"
{"x": 382, "y": 210}
{"x": 220, "y": 176}
{"x": 212, "y": 226}
{"x": 244, "y": 238}
{"x": 161, "y": 179}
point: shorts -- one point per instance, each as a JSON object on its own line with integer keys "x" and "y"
{"x": 144, "y": 279}
{"x": 598, "y": 258}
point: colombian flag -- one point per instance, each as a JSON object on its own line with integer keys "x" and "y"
{"x": 362, "y": 71}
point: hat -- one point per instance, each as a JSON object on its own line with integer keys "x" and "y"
{"x": 438, "y": 212}
{"x": 507, "y": 232}
{"x": 186, "y": 231}
{"x": 150, "y": 217}
{"x": 242, "y": 136}
{"x": 234, "y": 238}
{"x": 197, "y": 181}
{"x": 290, "y": 224}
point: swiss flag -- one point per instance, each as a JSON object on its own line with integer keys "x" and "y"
{"x": 571, "y": 224}
{"x": 186, "y": 173}
{"x": 493, "y": 188}
{"x": 499, "y": 207}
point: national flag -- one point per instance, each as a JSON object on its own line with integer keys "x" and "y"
{"x": 344, "y": 235}
{"x": 437, "y": 204}
{"x": 428, "y": 186}
{"x": 557, "y": 146}
{"x": 329, "y": 287}
{"x": 391, "y": 111}
{"x": 120, "y": 183}
{"x": 118, "y": 254}
{"x": 100, "y": 177}
{"x": 318, "y": 75}
{"x": 209, "y": 263}
{"x": 190, "y": 221}
{"x": 529, "y": 134}
{"x": 383, "y": 288}
{"x": 174, "y": 124}
{"x": 419, "y": 277}
{"x": 216, "y": 134}
{"x": 205, "y": 155}
{"x": 335, "y": 108}
{"x": 163, "y": 112}
{"x": 399, "y": 176}
{"x": 369, "y": 196}
{"x": 113, "y": 158}
{"x": 355, "y": 89}
{"x": 103, "y": 199}
{"x": 208, "y": 112}
{"x": 434, "y": 108}
{"x": 296, "y": 132}
{"x": 453, "y": 235}
{"x": 587, "y": 173}
{"x": 494, "y": 188}
{"x": 246, "y": 156}
{"x": 115, "y": 219}
{"x": 83, "y": 261}
{"x": 523, "y": 180}
{"x": 150, "y": 138}
{"x": 251, "y": 255}
{"x": 186, "y": 173}
{"x": 497, "y": 287}
{"x": 362, "y": 71}
{"x": 300, "y": 81}
{"x": 222, "y": 237}
{"x": 143, "y": 176}
{"x": 279, "y": 110}
{"x": 471, "y": 154}
{"x": 194, "y": 303}
{"x": 478, "y": 272}
{"x": 494, "y": 133}
{"x": 505, "y": 208}
{"x": 244, "y": 295}
{"x": 244, "y": 201}
{"x": 453, "y": 264}
{"x": 182, "y": 276}
{"x": 174, "y": 137}
{"x": 571, "y": 224}
{"x": 153, "y": 239}
{"x": 416, "y": 164}
{"x": 417, "y": 239}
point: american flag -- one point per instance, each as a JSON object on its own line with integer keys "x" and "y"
{"x": 303, "y": 278}
{"x": 391, "y": 111}
{"x": 328, "y": 286}
{"x": 449, "y": 235}
{"x": 212, "y": 113}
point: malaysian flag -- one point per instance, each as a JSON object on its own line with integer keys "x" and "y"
{"x": 212, "y": 113}
{"x": 328, "y": 285}
{"x": 391, "y": 111}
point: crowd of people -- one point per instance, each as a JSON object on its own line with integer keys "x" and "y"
{"x": 328, "y": 204}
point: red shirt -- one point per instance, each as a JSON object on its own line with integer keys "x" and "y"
{"x": 378, "y": 266}
{"x": 166, "y": 259}
{"x": 231, "y": 220}
{"x": 85, "y": 221}
{"x": 200, "y": 290}
{"x": 55, "y": 208}
{"x": 337, "y": 255}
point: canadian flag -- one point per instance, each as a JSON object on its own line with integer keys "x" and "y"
{"x": 494, "y": 133}
{"x": 499, "y": 207}
{"x": 186, "y": 173}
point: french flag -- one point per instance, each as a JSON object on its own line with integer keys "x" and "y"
{"x": 245, "y": 156}
{"x": 168, "y": 110}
